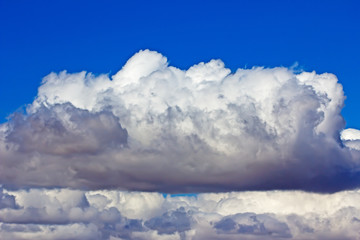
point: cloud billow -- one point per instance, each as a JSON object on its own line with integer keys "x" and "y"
{"x": 154, "y": 127}
{"x": 74, "y": 214}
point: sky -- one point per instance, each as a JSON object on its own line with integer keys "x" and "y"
{"x": 38, "y": 37}
{"x": 179, "y": 120}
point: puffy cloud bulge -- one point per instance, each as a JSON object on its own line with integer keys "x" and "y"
{"x": 154, "y": 127}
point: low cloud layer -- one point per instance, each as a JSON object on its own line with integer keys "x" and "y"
{"x": 74, "y": 214}
{"x": 153, "y": 127}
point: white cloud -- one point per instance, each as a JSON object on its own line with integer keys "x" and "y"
{"x": 154, "y": 127}
{"x": 74, "y": 214}
{"x": 351, "y": 138}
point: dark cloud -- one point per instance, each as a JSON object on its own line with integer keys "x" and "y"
{"x": 62, "y": 129}
{"x": 7, "y": 200}
{"x": 170, "y": 222}
{"x": 253, "y": 224}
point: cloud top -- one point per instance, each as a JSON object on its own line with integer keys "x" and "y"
{"x": 154, "y": 127}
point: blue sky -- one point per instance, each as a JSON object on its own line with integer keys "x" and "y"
{"x": 38, "y": 37}
{"x": 148, "y": 151}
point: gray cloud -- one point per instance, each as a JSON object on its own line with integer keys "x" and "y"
{"x": 7, "y": 200}
{"x": 253, "y": 224}
{"x": 75, "y": 214}
{"x": 170, "y": 222}
{"x": 62, "y": 129}
{"x": 153, "y": 127}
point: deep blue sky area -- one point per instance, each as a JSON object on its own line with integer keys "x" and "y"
{"x": 38, "y": 37}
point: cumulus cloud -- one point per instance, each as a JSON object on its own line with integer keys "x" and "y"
{"x": 105, "y": 214}
{"x": 154, "y": 127}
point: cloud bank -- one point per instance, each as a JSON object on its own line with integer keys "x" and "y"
{"x": 104, "y": 214}
{"x": 154, "y": 127}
